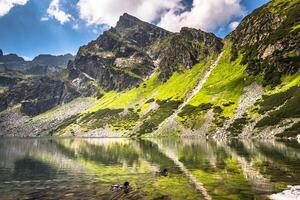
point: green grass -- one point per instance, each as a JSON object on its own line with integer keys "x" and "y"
{"x": 170, "y": 94}
{"x": 287, "y": 92}
{"x": 237, "y": 126}
{"x": 291, "y": 9}
{"x": 154, "y": 118}
{"x": 287, "y": 82}
{"x": 193, "y": 116}
{"x": 225, "y": 84}
{"x": 293, "y": 131}
{"x": 281, "y": 6}
{"x": 175, "y": 88}
{"x": 296, "y": 27}
{"x": 290, "y": 109}
{"x": 270, "y": 102}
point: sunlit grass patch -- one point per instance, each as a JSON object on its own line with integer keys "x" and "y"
{"x": 225, "y": 84}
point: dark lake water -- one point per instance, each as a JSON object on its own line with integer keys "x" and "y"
{"x": 77, "y": 168}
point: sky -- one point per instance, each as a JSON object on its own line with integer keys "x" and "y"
{"x": 33, "y": 27}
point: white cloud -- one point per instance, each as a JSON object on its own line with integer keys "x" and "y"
{"x": 54, "y": 11}
{"x": 75, "y": 26}
{"x": 44, "y": 18}
{"x": 207, "y": 15}
{"x": 109, "y": 11}
{"x": 233, "y": 25}
{"x": 6, "y": 5}
{"x": 95, "y": 31}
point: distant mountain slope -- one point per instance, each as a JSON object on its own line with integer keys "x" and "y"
{"x": 13, "y": 61}
{"x": 50, "y": 60}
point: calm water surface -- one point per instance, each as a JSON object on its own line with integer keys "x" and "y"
{"x": 77, "y": 168}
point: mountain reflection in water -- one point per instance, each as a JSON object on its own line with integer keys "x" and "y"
{"x": 84, "y": 168}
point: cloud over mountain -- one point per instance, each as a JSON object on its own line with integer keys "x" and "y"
{"x": 109, "y": 11}
{"x": 171, "y": 15}
{"x": 54, "y": 11}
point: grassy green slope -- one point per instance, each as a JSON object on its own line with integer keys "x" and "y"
{"x": 149, "y": 103}
{"x": 153, "y": 101}
{"x": 220, "y": 92}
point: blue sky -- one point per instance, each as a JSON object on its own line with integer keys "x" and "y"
{"x": 31, "y": 27}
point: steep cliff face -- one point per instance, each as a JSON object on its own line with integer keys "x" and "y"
{"x": 37, "y": 95}
{"x": 269, "y": 39}
{"x": 118, "y": 59}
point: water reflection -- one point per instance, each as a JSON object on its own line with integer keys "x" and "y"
{"x": 78, "y": 168}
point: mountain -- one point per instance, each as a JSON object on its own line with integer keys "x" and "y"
{"x": 137, "y": 79}
{"x": 50, "y": 60}
{"x": 269, "y": 39}
{"x": 124, "y": 56}
{"x": 10, "y": 58}
{"x": 119, "y": 58}
{"x": 13, "y": 61}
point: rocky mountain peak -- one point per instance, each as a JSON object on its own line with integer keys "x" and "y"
{"x": 119, "y": 58}
{"x": 136, "y": 30}
{"x": 1, "y": 53}
{"x": 127, "y": 21}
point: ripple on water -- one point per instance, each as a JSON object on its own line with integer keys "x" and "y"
{"x": 85, "y": 168}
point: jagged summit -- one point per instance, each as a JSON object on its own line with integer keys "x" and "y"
{"x": 126, "y": 21}
{"x": 130, "y": 52}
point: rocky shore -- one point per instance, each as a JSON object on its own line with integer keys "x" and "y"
{"x": 292, "y": 193}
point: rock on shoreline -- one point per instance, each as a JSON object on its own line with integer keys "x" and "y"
{"x": 292, "y": 193}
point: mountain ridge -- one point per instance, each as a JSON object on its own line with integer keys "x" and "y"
{"x": 15, "y": 62}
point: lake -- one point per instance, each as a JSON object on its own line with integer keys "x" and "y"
{"x": 85, "y": 168}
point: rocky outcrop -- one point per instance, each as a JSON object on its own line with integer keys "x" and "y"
{"x": 9, "y": 78}
{"x": 182, "y": 50}
{"x": 270, "y": 40}
{"x": 38, "y": 95}
{"x": 118, "y": 59}
{"x": 42, "y": 70}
